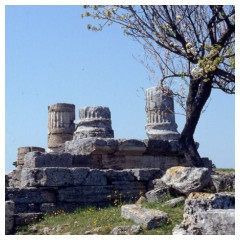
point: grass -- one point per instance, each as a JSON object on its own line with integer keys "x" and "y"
{"x": 224, "y": 170}
{"x": 103, "y": 220}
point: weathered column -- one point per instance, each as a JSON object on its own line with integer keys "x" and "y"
{"x": 61, "y": 125}
{"x": 94, "y": 122}
{"x": 24, "y": 150}
{"x": 160, "y": 115}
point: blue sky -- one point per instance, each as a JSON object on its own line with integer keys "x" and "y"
{"x": 51, "y": 58}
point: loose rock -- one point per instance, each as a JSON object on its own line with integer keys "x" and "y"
{"x": 223, "y": 181}
{"x": 187, "y": 179}
{"x": 147, "y": 218}
{"x": 126, "y": 230}
{"x": 158, "y": 194}
{"x": 206, "y": 213}
{"x": 174, "y": 202}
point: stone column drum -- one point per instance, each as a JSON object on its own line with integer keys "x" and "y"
{"x": 61, "y": 125}
{"x": 161, "y": 123}
{"x": 94, "y": 122}
{"x": 24, "y": 150}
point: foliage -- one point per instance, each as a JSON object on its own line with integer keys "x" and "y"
{"x": 184, "y": 41}
{"x": 195, "y": 43}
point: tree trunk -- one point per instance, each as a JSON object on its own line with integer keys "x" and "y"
{"x": 199, "y": 92}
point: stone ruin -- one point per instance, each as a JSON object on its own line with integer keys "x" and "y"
{"x": 84, "y": 164}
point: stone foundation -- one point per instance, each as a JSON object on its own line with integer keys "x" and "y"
{"x": 52, "y": 189}
{"x": 109, "y": 153}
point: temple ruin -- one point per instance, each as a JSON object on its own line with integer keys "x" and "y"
{"x": 84, "y": 163}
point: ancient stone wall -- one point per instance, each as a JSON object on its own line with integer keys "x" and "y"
{"x": 106, "y": 153}
{"x": 63, "y": 188}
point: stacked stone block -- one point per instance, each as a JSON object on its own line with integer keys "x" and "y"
{"x": 106, "y": 153}
{"x": 22, "y": 151}
{"x": 61, "y": 188}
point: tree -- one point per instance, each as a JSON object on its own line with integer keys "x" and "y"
{"x": 192, "y": 43}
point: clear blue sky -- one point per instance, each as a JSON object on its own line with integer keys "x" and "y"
{"x": 51, "y": 58}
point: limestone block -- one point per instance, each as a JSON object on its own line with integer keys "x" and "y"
{"x": 158, "y": 183}
{"x": 22, "y": 151}
{"x": 24, "y": 195}
{"x": 79, "y": 175}
{"x": 187, "y": 179}
{"x": 88, "y": 146}
{"x": 223, "y": 181}
{"x": 179, "y": 230}
{"x": 30, "y": 159}
{"x": 126, "y": 230}
{"x": 38, "y": 160}
{"x": 119, "y": 175}
{"x": 57, "y": 177}
{"x": 155, "y": 146}
{"x": 49, "y": 195}
{"x": 91, "y": 161}
{"x": 26, "y": 207}
{"x": 147, "y": 174}
{"x": 131, "y": 147}
{"x": 9, "y": 217}
{"x": 157, "y": 195}
{"x": 147, "y": 218}
{"x": 31, "y": 177}
{"x": 174, "y": 202}
{"x": 15, "y": 180}
{"x": 198, "y": 201}
{"x": 46, "y": 177}
{"x": 145, "y": 161}
{"x": 207, "y": 213}
{"x": 84, "y": 194}
{"x": 95, "y": 178}
{"x": 216, "y": 222}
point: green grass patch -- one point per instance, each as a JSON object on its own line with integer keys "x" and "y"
{"x": 224, "y": 170}
{"x": 103, "y": 220}
{"x": 78, "y": 222}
